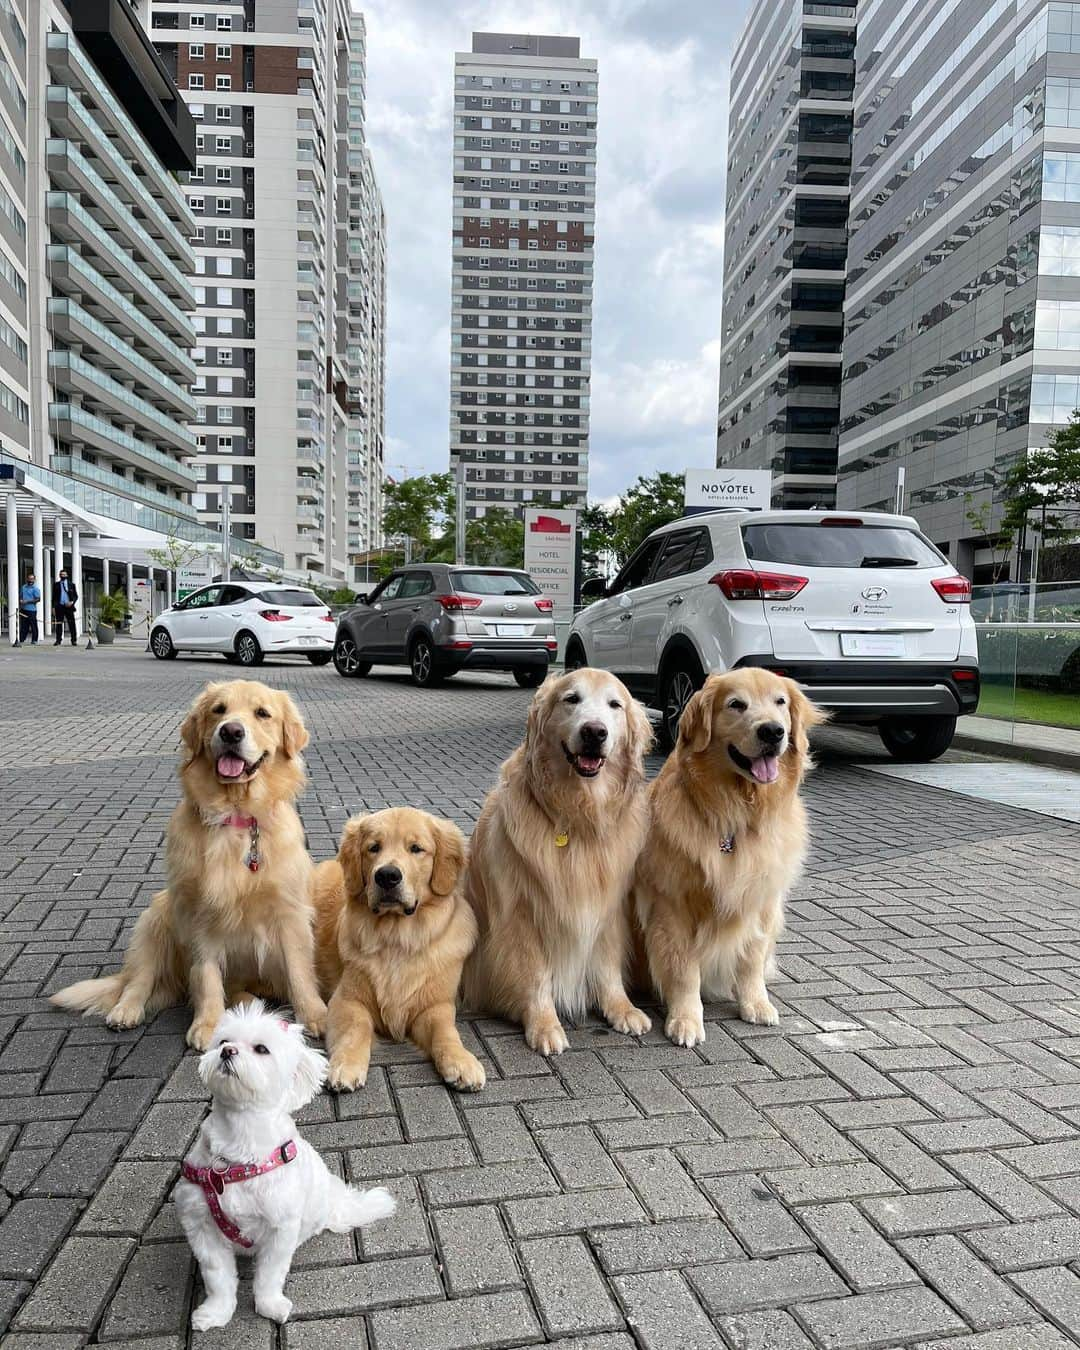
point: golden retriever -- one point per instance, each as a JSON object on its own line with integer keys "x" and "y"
{"x": 552, "y": 858}
{"x": 727, "y": 839}
{"x": 393, "y": 931}
{"x": 236, "y": 915}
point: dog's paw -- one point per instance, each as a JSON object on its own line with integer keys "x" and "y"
{"x": 274, "y": 1306}
{"x": 200, "y": 1034}
{"x": 125, "y": 1015}
{"x": 760, "y": 1012}
{"x": 463, "y": 1071}
{"x": 314, "y": 1019}
{"x": 345, "y": 1077}
{"x": 630, "y": 1021}
{"x": 547, "y": 1038}
{"x": 688, "y": 1031}
{"x": 212, "y": 1313}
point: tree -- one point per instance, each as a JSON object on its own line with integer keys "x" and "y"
{"x": 179, "y": 552}
{"x": 651, "y": 502}
{"x": 597, "y": 526}
{"x": 419, "y": 508}
{"x": 978, "y": 517}
{"x": 1046, "y": 481}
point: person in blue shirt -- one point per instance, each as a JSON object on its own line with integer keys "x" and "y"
{"x": 29, "y": 598}
{"x": 64, "y": 597}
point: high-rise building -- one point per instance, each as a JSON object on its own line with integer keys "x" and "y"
{"x": 962, "y": 316}
{"x": 789, "y": 147}
{"x": 277, "y": 91}
{"x": 524, "y": 211}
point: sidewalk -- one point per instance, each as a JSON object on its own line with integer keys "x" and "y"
{"x": 1029, "y": 741}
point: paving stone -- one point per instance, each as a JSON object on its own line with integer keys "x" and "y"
{"x": 869, "y": 1321}
{"x": 768, "y": 1330}
{"x": 120, "y": 1104}
{"x": 746, "y": 1286}
{"x": 1055, "y": 1291}
{"x": 675, "y": 1244}
{"x": 153, "y": 1294}
{"x": 395, "y": 1160}
{"x": 166, "y": 1132}
{"x": 498, "y": 1181}
{"x": 405, "y": 1232}
{"x": 760, "y": 1222}
{"x": 357, "y": 1289}
{"x": 1041, "y": 1337}
{"x": 429, "y": 1113}
{"x": 328, "y": 1333}
{"x": 935, "y": 1212}
{"x": 73, "y": 1291}
{"x": 79, "y": 1166}
{"x": 572, "y": 1213}
{"x": 751, "y": 1155}
{"x": 567, "y": 1287}
{"x": 29, "y": 1234}
{"x": 664, "y": 1314}
{"x": 662, "y": 1185}
{"x": 805, "y": 1185}
{"x": 481, "y": 1323}
{"x": 1001, "y": 1186}
{"x": 902, "y": 1159}
{"x": 500, "y": 1135}
{"x": 1023, "y": 1246}
{"x": 475, "y": 1253}
{"x": 578, "y": 1158}
{"x": 1045, "y": 1160}
{"x": 812, "y": 1135}
{"x": 731, "y": 1113}
{"x": 866, "y": 1261}
{"x": 984, "y": 1300}
{"x": 655, "y": 1132}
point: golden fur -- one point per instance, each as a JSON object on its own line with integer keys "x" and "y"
{"x": 710, "y": 919}
{"x": 553, "y": 920}
{"x": 220, "y": 930}
{"x": 390, "y": 962}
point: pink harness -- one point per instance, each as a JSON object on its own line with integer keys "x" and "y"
{"x": 213, "y": 1180}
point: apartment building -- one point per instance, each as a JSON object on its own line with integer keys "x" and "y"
{"x": 523, "y": 233}
{"x": 276, "y": 91}
{"x": 789, "y": 161}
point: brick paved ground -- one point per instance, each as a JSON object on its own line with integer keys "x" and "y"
{"x": 897, "y": 1164}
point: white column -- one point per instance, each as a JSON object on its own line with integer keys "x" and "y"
{"x": 58, "y": 548}
{"x": 12, "y": 567}
{"x": 39, "y": 560}
{"x": 131, "y": 585}
{"x": 46, "y": 593}
{"x": 104, "y": 576}
{"x": 77, "y": 577}
{"x": 168, "y": 589}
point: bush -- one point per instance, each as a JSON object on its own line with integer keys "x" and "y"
{"x": 113, "y": 609}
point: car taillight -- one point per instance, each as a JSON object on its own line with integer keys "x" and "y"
{"x": 545, "y": 606}
{"x": 551, "y": 645}
{"x": 458, "y": 602}
{"x": 327, "y": 617}
{"x": 744, "y": 584}
{"x": 274, "y": 615}
{"x": 965, "y": 675}
{"x": 953, "y": 590}
{"x": 849, "y": 522}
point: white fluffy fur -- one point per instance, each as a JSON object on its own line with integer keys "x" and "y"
{"x": 249, "y": 1118}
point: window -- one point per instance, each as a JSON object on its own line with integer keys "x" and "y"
{"x": 202, "y": 599}
{"x": 414, "y": 584}
{"x": 200, "y": 142}
{"x": 196, "y": 203}
{"x": 199, "y": 235}
{"x": 387, "y": 591}
{"x": 684, "y": 551}
{"x": 515, "y": 104}
{"x": 195, "y": 81}
{"x": 636, "y": 572}
{"x": 224, "y": 445}
{"x": 560, "y": 245}
{"x": 224, "y": 53}
{"x": 223, "y": 113}
{"x": 224, "y": 414}
{"x": 224, "y": 237}
{"x": 486, "y": 103}
{"x": 564, "y": 166}
{"x": 222, "y": 144}
{"x": 223, "y": 174}
{"x": 224, "y": 22}
{"x": 196, "y": 51}
{"x": 534, "y": 243}
{"x": 196, "y": 175}
{"x": 197, "y": 21}
{"x": 223, "y": 82}
{"x": 224, "y": 356}
{"x": 564, "y": 126}
{"x": 821, "y": 545}
{"x": 224, "y": 206}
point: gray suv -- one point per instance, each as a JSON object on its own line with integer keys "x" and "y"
{"x": 438, "y": 619}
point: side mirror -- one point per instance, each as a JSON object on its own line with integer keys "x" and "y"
{"x": 594, "y": 588}
{"x": 361, "y": 599}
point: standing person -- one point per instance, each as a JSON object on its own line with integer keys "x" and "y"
{"x": 64, "y": 595}
{"x": 29, "y": 598}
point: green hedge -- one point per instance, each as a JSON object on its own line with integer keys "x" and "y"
{"x": 1047, "y": 659}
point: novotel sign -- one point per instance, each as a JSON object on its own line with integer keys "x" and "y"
{"x": 713, "y": 489}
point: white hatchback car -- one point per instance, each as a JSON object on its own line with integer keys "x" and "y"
{"x": 859, "y": 607}
{"x": 247, "y": 621}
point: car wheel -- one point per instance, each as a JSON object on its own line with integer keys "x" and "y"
{"x": 681, "y": 680}
{"x": 161, "y": 644}
{"x": 530, "y": 679}
{"x": 575, "y": 656}
{"x": 917, "y": 740}
{"x": 425, "y": 672}
{"x": 347, "y": 659}
{"x": 319, "y": 658}
{"x": 248, "y": 651}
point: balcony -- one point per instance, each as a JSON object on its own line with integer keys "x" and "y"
{"x": 72, "y": 374}
{"x": 93, "y": 473}
{"x": 75, "y": 424}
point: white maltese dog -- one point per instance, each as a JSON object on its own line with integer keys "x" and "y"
{"x": 251, "y": 1183}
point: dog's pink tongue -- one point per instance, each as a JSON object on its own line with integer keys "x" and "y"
{"x": 590, "y": 763}
{"x": 766, "y": 768}
{"x": 229, "y": 766}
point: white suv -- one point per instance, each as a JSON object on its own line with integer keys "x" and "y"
{"x": 247, "y": 621}
{"x": 859, "y": 607}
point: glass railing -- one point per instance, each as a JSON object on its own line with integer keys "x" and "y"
{"x": 67, "y": 201}
{"x": 62, "y": 253}
{"x": 114, "y": 391}
{"x": 71, "y": 412}
{"x": 77, "y": 314}
{"x": 71, "y": 464}
{"x": 131, "y": 227}
{"x": 105, "y": 149}
{"x": 1029, "y": 653}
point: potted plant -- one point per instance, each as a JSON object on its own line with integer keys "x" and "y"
{"x": 112, "y": 610}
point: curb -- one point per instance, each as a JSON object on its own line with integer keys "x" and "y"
{"x": 1028, "y": 754}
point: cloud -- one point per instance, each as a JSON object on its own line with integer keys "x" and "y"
{"x": 661, "y": 149}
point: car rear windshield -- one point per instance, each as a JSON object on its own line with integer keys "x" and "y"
{"x": 821, "y": 544}
{"x": 494, "y": 583}
{"x": 307, "y": 599}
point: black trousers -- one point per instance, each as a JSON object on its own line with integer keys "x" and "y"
{"x": 65, "y": 614}
{"x": 28, "y": 625}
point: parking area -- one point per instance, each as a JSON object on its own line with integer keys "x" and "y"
{"x": 896, "y": 1164}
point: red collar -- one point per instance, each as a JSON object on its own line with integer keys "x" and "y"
{"x": 213, "y": 1180}
{"x": 241, "y": 822}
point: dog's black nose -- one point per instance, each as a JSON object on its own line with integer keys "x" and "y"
{"x": 770, "y": 733}
{"x": 595, "y": 732}
{"x": 232, "y": 733}
{"x": 388, "y": 877}
{"x": 227, "y": 1051}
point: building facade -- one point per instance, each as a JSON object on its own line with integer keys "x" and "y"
{"x": 279, "y": 114}
{"x": 788, "y": 170}
{"x": 523, "y": 232}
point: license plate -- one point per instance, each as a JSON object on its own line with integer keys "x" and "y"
{"x": 872, "y": 644}
{"x": 509, "y": 629}
{"x": 308, "y": 642}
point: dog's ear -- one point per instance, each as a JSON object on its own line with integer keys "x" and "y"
{"x": 351, "y": 853}
{"x": 640, "y": 728}
{"x": 308, "y": 1076}
{"x": 804, "y": 715}
{"x": 539, "y": 711}
{"x": 449, "y": 857}
{"x": 695, "y": 725}
{"x": 294, "y": 735}
{"x": 191, "y": 729}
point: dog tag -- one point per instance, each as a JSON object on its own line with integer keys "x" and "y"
{"x": 561, "y": 839}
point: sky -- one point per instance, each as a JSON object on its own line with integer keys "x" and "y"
{"x": 662, "y": 136}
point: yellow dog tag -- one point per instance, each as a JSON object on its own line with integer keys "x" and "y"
{"x": 561, "y": 839}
